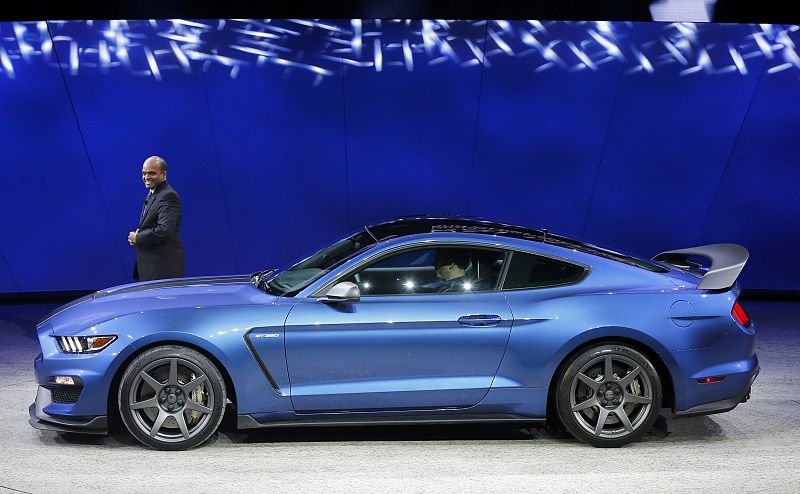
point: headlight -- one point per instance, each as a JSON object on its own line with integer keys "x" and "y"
{"x": 84, "y": 344}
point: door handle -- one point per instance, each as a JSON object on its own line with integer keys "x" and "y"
{"x": 480, "y": 320}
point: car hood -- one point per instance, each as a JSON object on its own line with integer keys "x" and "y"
{"x": 118, "y": 301}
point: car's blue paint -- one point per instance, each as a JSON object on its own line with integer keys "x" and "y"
{"x": 394, "y": 354}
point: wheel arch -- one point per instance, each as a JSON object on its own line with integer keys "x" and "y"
{"x": 113, "y": 409}
{"x": 667, "y": 382}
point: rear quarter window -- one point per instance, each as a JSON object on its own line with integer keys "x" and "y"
{"x": 532, "y": 271}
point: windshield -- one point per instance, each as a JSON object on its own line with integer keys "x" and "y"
{"x": 305, "y": 272}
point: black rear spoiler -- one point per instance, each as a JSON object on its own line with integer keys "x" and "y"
{"x": 727, "y": 261}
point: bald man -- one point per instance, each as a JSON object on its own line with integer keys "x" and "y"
{"x": 159, "y": 251}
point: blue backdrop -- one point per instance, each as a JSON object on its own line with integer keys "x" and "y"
{"x": 282, "y": 135}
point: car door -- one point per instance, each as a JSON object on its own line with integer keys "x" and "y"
{"x": 407, "y": 343}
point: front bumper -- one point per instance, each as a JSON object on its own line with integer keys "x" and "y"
{"x": 82, "y": 408}
{"x": 47, "y": 422}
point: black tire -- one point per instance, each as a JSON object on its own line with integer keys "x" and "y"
{"x": 628, "y": 401}
{"x": 171, "y": 398}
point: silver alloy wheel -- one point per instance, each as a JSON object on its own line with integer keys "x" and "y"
{"x": 171, "y": 400}
{"x": 611, "y": 396}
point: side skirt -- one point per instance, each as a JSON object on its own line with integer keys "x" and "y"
{"x": 248, "y": 422}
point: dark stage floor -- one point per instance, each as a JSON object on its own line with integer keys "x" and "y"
{"x": 754, "y": 448}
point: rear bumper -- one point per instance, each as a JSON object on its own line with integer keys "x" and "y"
{"x": 732, "y": 357}
{"x": 721, "y": 405}
{"x": 44, "y": 421}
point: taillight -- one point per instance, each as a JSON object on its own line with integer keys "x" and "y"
{"x": 740, "y": 315}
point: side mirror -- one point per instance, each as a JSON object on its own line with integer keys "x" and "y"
{"x": 345, "y": 291}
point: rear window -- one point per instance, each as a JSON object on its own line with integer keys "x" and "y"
{"x": 605, "y": 253}
{"x": 531, "y": 271}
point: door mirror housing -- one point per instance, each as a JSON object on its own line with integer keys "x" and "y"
{"x": 345, "y": 291}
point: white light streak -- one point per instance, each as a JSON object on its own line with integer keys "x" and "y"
{"x": 197, "y": 55}
{"x": 791, "y": 56}
{"x": 151, "y": 62}
{"x": 504, "y": 25}
{"x": 321, "y": 25}
{"x": 311, "y": 68}
{"x": 187, "y": 38}
{"x": 538, "y": 26}
{"x": 691, "y": 70}
{"x": 476, "y": 51}
{"x": 448, "y": 51}
{"x": 581, "y": 56}
{"x": 257, "y": 34}
{"x": 73, "y": 58}
{"x": 674, "y": 51}
{"x": 267, "y": 45}
{"x": 687, "y": 30}
{"x": 25, "y": 49}
{"x": 704, "y": 61}
{"x": 357, "y": 40}
{"x": 347, "y": 61}
{"x": 281, "y": 30}
{"x": 604, "y": 27}
{"x": 610, "y": 47}
{"x": 104, "y": 56}
{"x": 550, "y": 54}
{"x": 122, "y": 55}
{"x": 737, "y": 60}
{"x": 183, "y": 60}
{"x": 644, "y": 62}
{"x": 501, "y": 44}
{"x": 184, "y": 22}
{"x": 763, "y": 45}
{"x": 429, "y": 38}
{"x": 378, "y": 54}
{"x": 530, "y": 40}
{"x": 6, "y": 63}
{"x": 254, "y": 51}
{"x": 779, "y": 68}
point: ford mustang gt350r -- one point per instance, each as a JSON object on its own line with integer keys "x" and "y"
{"x": 415, "y": 320}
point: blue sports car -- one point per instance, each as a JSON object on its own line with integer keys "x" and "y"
{"x": 415, "y": 320}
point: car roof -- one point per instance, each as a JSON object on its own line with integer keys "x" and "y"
{"x": 413, "y": 225}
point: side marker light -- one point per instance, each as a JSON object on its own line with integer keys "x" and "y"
{"x": 707, "y": 380}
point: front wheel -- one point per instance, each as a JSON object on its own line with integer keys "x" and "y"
{"x": 608, "y": 395}
{"x": 172, "y": 398}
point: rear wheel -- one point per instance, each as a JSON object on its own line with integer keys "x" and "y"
{"x": 608, "y": 395}
{"x": 172, "y": 398}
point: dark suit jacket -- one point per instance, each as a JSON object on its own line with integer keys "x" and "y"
{"x": 159, "y": 251}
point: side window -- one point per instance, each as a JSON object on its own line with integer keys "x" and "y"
{"x": 530, "y": 271}
{"x": 431, "y": 270}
